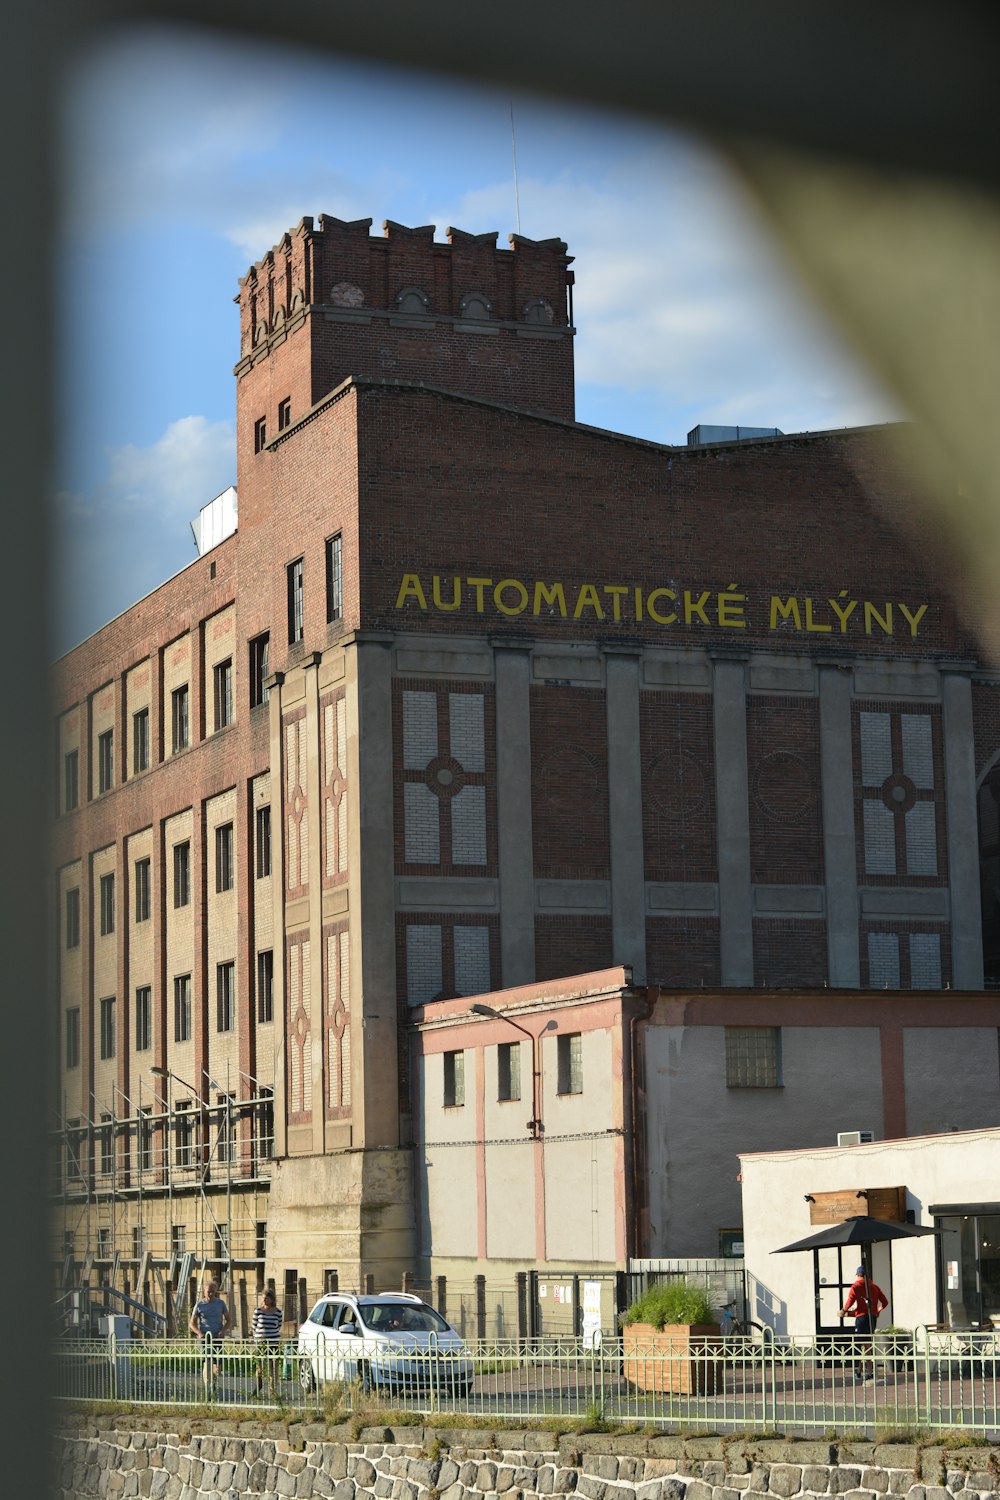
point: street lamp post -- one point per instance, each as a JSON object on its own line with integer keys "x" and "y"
{"x": 535, "y": 1123}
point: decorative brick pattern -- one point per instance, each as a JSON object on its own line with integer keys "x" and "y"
{"x": 678, "y": 786}
{"x": 333, "y": 712}
{"x": 299, "y": 1030}
{"x": 569, "y": 786}
{"x": 337, "y": 978}
{"x": 905, "y": 955}
{"x": 296, "y": 820}
{"x": 445, "y": 784}
{"x": 899, "y": 795}
{"x": 786, "y": 809}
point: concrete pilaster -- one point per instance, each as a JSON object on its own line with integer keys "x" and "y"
{"x": 839, "y": 842}
{"x": 963, "y": 833}
{"x": 628, "y": 893}
{"x": 514, "y": 836}
{"x": 277, "y": 763}
{"x": 318, "y": 974}
{"x": 733, "y": 820}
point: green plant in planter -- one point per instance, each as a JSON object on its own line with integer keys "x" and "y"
{"x": 680, "y": 1301}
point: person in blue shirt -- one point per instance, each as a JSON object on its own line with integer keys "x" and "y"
{"x": 209, "y": 1320}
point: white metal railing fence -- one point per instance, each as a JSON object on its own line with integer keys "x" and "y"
{"x": 925, "y": 1379}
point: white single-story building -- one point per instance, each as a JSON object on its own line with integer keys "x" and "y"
{"x": 947, "y": 1182}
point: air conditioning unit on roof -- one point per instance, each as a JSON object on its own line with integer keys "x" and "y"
{"x": 854, "y": 1137}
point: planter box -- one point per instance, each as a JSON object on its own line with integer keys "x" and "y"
{"x": 677, "y": 1358}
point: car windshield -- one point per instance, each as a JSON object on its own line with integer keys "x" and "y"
{"x": 401, "y": 1317}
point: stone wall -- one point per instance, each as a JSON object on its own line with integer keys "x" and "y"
{"x": 121, "y": 1458}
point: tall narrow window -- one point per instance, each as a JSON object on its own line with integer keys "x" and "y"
{"x": 225, "y": 997}
{"x": 569, "y": 1059}
{"x": 227, "y": 1127}
{"x": 145, "y": 1141}
{"x": 182, "y": 1007}
{"x": 108, "y": 1027}
{"x": 264, "y": 1116}
{"x": 71, "y": 780}
{"x": 263, "y": 841}
{"x": 143, "y": 1018}
{"x": 107, "y": 904}
{"x": 224, "y": 873}
{"x": 284, "y": 413}
{"x": 334, "y": 579}
{"x": 753, "y": 1057}
{"x": 73, "y": 1037}
{"x": 107, "y": 1146}
{"x": 265, "y": 985}
{"x": 454, "y": 1079}
{"x": 142, "y": 890}
{"x": 180, "y": 727}
{"x": 184, "y": 1134}
{"x": 223, "y": 692}
{"x": 182, "y": 874}
{"x": 73, "y": 917}
{"x": 260, "y": 435}
{"x": 296, "y": 603}
{"x": 509, "y": 1071}
{"x": 74, "y": 1154}
{"x": 106, "y": 760}
{"x": 260, "y": 670}
{"x": 140, "y": 741}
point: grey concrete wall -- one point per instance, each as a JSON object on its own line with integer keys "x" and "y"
{"x": 733, "y": 821}
{"x": 515, "y": 854}
{"x": 839, "y": 854}
{"x": 952, "y": 1078}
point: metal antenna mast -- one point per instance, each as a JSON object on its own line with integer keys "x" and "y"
{"x": 513, "y": 148}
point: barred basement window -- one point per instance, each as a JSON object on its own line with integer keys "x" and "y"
{"x": 454, "y": 1079}
{"x": 569, "y": 1057}
{"x": 753, "y": 1057}
{"x": 140, "y": 741}
{"x": 222, "y": 675}
{"x": 260, "y": 651}
{"x": 143, "y": 1018}
{"x": 182, "y": 874}
{"x": 107, "y": 904}
{"x": 509, "y": 1071}
{"x": 106, "y": 760}
{"x": 142, "y": 890}
{"x": 73, "y": 917}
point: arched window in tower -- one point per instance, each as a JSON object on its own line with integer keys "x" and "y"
{"x": 475, "y": 305}
{"x": 412, "y": 300}
{"x": 989, "y": 872}
{"x": 538, "y": 311}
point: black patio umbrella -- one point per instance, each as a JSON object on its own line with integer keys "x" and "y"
{"x": 861, "y": 1230}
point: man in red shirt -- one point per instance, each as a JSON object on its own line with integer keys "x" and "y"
{"x": 865, "y": 1301}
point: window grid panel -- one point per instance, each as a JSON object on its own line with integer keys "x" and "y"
{"x": 918, "y": 750}
{"x": 883, "y": 960}
{"x": 752, "y": 1057}
{"x": 876, "y": 748}
{"x": 468, "y": 826}
{"x": 880, "y": 839}
{"x": 420, "y": 739}
{"x": 472, "y": 959}
{"x": 921, "y": 839}
{"x": 468, "y": 738}
{"x": 423, "y": 963}
{"x": 925, "y": 961}
{"x": 421, "y": 824}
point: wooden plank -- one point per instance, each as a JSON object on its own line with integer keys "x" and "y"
{"x": 884, "y": 1204}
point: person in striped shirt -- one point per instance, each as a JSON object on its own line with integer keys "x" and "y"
{"x": 265, "y": 1329}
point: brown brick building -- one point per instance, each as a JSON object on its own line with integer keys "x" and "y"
{"x": 476, "y": 696}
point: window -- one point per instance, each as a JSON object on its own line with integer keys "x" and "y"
{"x": 569, "y": 1058}
{"x": 454, "y": 1079}
{"x": 104, "y": 1244}
{"x": 334, "y": 580}
{"x": 223, "y": 691}
{"x": 178, "y": 1239}
{"x": 184, "y": 1134}
{"x": 107, "y": 904}
{"x": 263, "y": 842}
{"x": 74, "y": 1141}
{"x": 182, "y": 874}
{"x": 142, "y": 890}
{"x": 72, "y": 928}
{"x": 225, "y": 997}
{"x": 145, "y": 1138}
{"x": 260, "y": 435}
{"x": 227, "y": 1127}
{"x": 106, "y": 1145}
{"x": 753, "y": 1057}
{"x": 138, "y": 1240}
{"x": 140, "y": 741}
{"x": 509, "y": 1070}
{"x": 265, "y": 1125}
{"x": 106, "y": 760}
{"x": 73, "y": 1037}
{"x": 108, "y": 1027}
{"x": 180, "y": 729}
{"x": 265, "y": 986}
{"x": 182, "y": 1007}
{"x": 71, "y": 780}
{"x": 260, "y": 651}
{"x": 224, "y": 857}
{"x": 143, "y": 1017}
{"x": 296, "y": 603}
{"x": 284, "y": 413}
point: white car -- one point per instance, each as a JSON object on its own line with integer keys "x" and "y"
{"x": 388, "y": 1341}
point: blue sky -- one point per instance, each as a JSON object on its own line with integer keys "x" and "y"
{"x": 186, "y": 158}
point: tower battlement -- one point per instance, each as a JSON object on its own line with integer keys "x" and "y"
{"x": 464, "y": 313}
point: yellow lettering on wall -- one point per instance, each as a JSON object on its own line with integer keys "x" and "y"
{"x": 812, "y": 624}
{"x": 871, "y": 613}
{"x": 478, "y": 584}
{"x": 843, "y": 612}
{"x": 410, "y": 588}
{"x": 522, "y": 595}
{"x": 616, "y": 590}
{"x": 456, "y": 593}
{"x": 913, "y": 620}
{"x": 587, "y": 599}
{"x": 787, "y": 609}
{"x": 638, "y": 604}
{"x": 670, "y": 619}
{"x": 550, "y": 594}
{"x": 729, "y": 608}
{"x": 694, "y": 607}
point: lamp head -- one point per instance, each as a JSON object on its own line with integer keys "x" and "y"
{"x": 485, "y": 1010}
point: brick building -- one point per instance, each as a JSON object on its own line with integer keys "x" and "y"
{"x": 477, "y": 697}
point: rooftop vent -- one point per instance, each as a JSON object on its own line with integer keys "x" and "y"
{"x": 705, "y": 433}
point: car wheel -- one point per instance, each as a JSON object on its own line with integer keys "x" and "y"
{"x": 307, "y": 1376}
